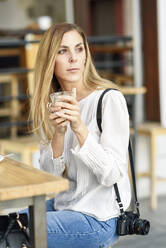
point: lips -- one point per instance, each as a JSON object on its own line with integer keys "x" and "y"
{"x": 73, "y": 69}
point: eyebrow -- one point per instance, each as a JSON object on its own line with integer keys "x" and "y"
{"x": 81, "y": 43}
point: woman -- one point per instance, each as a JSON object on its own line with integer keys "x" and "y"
{"x": 86, "y": 214}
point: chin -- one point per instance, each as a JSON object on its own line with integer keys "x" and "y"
{"x": 72, "y": 79}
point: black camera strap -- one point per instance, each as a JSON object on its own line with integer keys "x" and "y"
{"x": 99, "y": 119}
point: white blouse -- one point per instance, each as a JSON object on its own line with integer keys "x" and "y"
{"x": 100, "y": 162}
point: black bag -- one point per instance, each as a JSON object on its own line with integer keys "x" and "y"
{"x": 13, "y": 231}
{"x": 129, "y": 222}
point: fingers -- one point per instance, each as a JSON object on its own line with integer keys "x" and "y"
{"x": 64, "y": 111}
{"x": 62, "y": 122}
{"x": 68, "y": 115}
{"x": 56, "y": 107}
{"x": 62, "y": 107}
{"x": 59, "y": 121}
{"x": 56, "y": 118}
{"x": 69, "y": 99}
{"x": 68, "y": 102}
{"x": 52, "y": 108}
{"x": 65, "y": 105}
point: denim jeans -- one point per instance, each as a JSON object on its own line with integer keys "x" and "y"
{"x": 71, "y": 229}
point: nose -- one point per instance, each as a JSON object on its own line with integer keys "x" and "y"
{"x": 72, "y": 57}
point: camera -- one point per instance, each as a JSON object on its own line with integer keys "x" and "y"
{"x": 130, "y": 223}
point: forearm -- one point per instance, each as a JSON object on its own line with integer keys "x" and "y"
{"x": 57, "y": 144}
{"x": 82, "y": 134}
{"x": 103, "y": 163}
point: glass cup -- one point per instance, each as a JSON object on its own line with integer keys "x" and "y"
{"x": 55, "y": 97}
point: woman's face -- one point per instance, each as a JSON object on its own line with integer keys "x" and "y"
{"x": 70, "y": 60}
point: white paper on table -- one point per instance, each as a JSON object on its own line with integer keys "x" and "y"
{"x": 5, "y": 156}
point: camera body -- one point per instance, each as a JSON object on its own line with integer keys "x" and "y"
{"x": 130, "y": 223}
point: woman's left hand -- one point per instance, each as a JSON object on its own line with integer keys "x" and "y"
{"x": 70, "y": 111}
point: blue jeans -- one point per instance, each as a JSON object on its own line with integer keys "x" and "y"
{"x": 71, "y": 229}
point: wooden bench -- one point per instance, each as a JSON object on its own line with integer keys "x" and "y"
{"x": 25, "y": 146}
{"x": 12, "y": 107}
{"x": 13, "y": 76}
{"x": 153, "y": 130}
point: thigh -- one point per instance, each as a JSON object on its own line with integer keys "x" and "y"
{"x": 110, "y": 236}
{"x": 50, "y": 205}
{"x": 73, "y": 229}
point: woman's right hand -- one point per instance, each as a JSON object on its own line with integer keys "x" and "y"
{"x": 59, "y": 122}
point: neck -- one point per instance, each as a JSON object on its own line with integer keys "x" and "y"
{"x": 81, "y": 90}
{"x": 82, "y": 94}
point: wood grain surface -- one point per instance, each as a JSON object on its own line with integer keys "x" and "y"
{"x": 18, "y": 180}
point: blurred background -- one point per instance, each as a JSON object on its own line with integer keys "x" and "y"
{"x": 127, "y": 40}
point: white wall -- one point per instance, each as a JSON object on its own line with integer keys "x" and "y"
{"x": 162, "y": 57}
{"x": 13, "y": 15}
{"x": 69, "y": 11}
{"x": 137, "y": 59}
{"x": 128, "y": 16}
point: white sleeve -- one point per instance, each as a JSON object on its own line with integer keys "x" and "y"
{"x": 108, "y": 158}
{"x": 50, "y": 164}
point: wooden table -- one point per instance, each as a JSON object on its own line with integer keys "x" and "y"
{"x": 22, "y": 186}
{"x": 132, "y": 90}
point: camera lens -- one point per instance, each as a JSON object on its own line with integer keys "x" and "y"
{"x": 142, "y": 227}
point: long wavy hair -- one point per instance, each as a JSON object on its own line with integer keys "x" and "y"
{"x": 45, "y": 79}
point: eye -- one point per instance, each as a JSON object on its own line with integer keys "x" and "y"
{"x": 62, "y": 51}
{"x": 80, "y": 49}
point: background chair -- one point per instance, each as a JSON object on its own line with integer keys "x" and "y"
{"x": 152, "y": 130}
{"x": 26, "y": 144}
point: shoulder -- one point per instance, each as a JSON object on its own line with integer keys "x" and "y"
{"x": 115, "y": 101}
{"x": 114, "y": 96}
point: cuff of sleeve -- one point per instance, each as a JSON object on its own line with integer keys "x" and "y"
{"x": 58, "y": 163}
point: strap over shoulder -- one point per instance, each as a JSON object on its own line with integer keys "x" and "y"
{"x": 99, "y": 119}
{"x": 99, "y": 108}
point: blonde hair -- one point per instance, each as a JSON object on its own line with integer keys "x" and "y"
{"x": 45, "y": 80}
